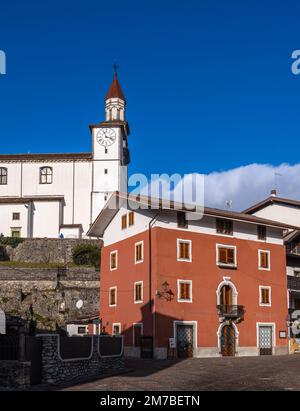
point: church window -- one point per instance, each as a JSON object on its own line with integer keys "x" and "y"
{"x": 106, "y": 150}
{"x": 105, "y": 171}
{"x": 16, "y": 232}
{"x": 16, "y": 216}
{"x": 3, "y": 175}
{"x": 46, "y": 175}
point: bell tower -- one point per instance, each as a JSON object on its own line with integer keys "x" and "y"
{"x": 115, "y": 102}
{"x": 110, "y": 149}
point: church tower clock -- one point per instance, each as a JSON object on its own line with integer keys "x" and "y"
{"x": 110, "y": 149}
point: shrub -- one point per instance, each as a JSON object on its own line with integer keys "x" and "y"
{"x": 3, "y": 254}
{"x": 86, "y": 254}
{"x": 12, "y": 241}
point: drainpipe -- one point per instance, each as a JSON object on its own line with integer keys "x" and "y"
{"x": 151, "y": 223}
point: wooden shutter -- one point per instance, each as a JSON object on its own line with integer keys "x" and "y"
{"x": 138, "y": 292}
{"x": 230, "y": 255}
{"x": 184, "y": 250}
{"x": 124, "y": 221}
{"x": 112, "y": 297}
{"x": 138, "y": 252}
{"x": 223, "y": 255}
{"x": 113, "y": 260}
{"x": 265, "y": 296}
{"x": 264, "y": 259}
{"x": 131, "y": 218}
{"x": 185, "y": 291}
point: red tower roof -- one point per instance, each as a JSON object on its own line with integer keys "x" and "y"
{"x": 115, "y": 90}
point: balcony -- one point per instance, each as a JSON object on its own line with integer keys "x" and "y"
{"x": 293, "y": 283}
{"x": 231, "y": 312}
{"x": 293, "y": 249}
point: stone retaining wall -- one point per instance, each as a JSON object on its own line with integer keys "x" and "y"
{"x": 46, "y": 250}
{"x": 14, "y": 374}
{"x": 57, "y": 371}
{"x": 49, "y": 294}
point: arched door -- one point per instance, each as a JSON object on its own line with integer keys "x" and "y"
{"x": 228, "y": 341}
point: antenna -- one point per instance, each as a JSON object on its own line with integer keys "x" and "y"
{"x": 228, "y": 204}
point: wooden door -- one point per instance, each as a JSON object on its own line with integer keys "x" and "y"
{"x": 228, "y": 341}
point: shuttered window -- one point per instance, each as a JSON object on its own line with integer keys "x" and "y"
{"x": 138, "y": 292}
{"x": 226, "y": 255}
{"x": 224, "y": 226}
{"x": 184, "y": 250}
{"x": 264, "y": 259}
{"x": 131, "y": 218}
{"x": 262, "y": 232}
{"x": 113, "y": 260}
{"x": 265, "y": 297}
{"x": 3, "y": 176}
{"x": 113, "y": 296}
{"x": 124, "y": 221}
{"x": 185, "y": 290}
{"x": 139, "y": 252}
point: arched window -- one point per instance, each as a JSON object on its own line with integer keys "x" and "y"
{"x": 46, "y": 175}
{"x": 3, "y": 175}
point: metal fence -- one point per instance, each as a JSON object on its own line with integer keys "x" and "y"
{"x": 110, "y": 346}
{"x": 9, "y": 347}
{"x": 75, "y": 347}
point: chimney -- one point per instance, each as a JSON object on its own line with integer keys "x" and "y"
{"x": 273, "y": 193}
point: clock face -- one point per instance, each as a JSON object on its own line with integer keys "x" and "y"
{"x": 106, "y": 137}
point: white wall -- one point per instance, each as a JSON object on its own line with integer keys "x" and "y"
{"x": 282, "y": 213}
{"x": 46, "y": 219}
{"x": 6, "y": 221}
{"x": 168, "y": 220}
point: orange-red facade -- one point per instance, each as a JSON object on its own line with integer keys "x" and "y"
{"x": 160, "y": 315}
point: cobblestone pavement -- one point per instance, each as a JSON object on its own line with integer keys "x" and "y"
{"x": 252, "y": 373}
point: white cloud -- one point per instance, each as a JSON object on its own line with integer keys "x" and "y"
{"x": 249, "y": 184}
{"x": 243, "y": 186}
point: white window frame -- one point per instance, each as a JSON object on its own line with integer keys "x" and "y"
{"x": 259, "y": 260}
{"x": 219, "y": 264}
{"x": 262, "y": 287}
{"x": 273, "y": 325}
{"x": 134, "y": 292}
{"x": 118, "y": 325}
{"x": 182, "y": 240}
{"x": 142, "y": 331}
{"x": 181, "y": 300}
{"x": 135, "y": 256}
{"x": 113, "y": 252}
{"x": 110, "y": 289}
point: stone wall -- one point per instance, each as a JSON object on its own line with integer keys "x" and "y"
{"x": 46, "y": 250}
{"x": 14, "y": 374}
{"x": 49, "y": 296}
{"x": 57, "y": 371}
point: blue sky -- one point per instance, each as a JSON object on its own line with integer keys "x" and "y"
{"x": 208, "y": 83}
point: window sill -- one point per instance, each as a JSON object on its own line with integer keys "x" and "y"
{"x": 224, "y": 265}
{"x": 264, "y": 269}
{"x": 184, "y": 301}
{"x": 184, "y": 260}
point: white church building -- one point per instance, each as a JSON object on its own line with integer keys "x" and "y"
{"x": 60, "y": 195}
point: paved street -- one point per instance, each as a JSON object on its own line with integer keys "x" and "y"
{"x": 256, "y": 373}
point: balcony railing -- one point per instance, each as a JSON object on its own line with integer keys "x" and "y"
{"x": 293, "y": 282}
{"x": 293, "y": 249}
{"x": 233, "y": 312}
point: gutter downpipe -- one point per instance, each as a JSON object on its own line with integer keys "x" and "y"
{"x": 151, "y": 304}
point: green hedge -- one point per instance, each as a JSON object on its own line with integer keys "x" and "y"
{"x": 86, "y": 254}
{"x": 12, "y": 241}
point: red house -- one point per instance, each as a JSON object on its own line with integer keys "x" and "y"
{"x": 210, "y": 286}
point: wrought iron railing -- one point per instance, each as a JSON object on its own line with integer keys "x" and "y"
{"x": 231, "y": 311}
{"x": 293, "y": 282}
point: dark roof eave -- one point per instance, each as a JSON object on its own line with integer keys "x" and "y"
{"x": 46, "y": 157}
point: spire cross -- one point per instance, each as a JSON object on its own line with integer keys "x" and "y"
{"x": 115, "y": 69}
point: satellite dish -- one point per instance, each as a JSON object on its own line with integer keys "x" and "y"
{"x": 79, "y": 304}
